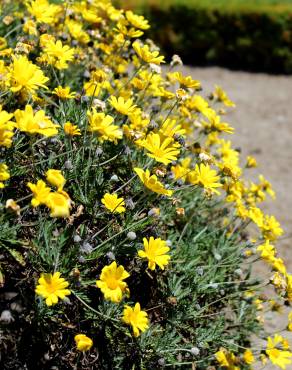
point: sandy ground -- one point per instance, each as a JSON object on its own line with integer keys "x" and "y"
{"x": 263, "y": 124}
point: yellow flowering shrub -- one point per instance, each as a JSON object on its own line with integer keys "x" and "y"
{"x": 124, "y": 210}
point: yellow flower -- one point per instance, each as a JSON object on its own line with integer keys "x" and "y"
{"x": 256, "y": 215}
{"x": 290, "y": 321}
{"x": 267, "y": 251}
{"x": 76, "y": 30}
{"x": 248, "y": 357}
{"x": 289, "y": 286}
{"x": 30, "y": 27}
{"x": 279, "y": 281}
{"x": 170, "y": 128}
{"x": 59, "y": 203}
{"x": 251, "y": 162}
{"x": 162, "y": 150}
{"x": 204, "y": 176}
{"x": 101, "y": 124}
{"x": 226, "y": 359}
{"x": 185, "y": 81}
{"x": 137, "y": 318}
{"x": 111, "y": 282}
{"x": 55, "y": 178}
{"x": 181, "y": 171}
{"x": 40, "y": 193}
{"x": 83, "y": 343}
{"x": 12, "y": 205}
{"x": 6, "y": 128}
{"x": 35, "y": 123}
{"x": 113, "y": 203}
{"x": 58, "y": 54}
{"x": 146, "y": 55}
{"x": 123, "y": 106}
{"x": 4, "y": 174}
{"x": 71, "y": 130}
{"x": 266, "y": 186}
{"x": 64, "y": 92}
{"x": 137, "y": 21}
{"x": 124, "y": 31}
{"x": 151, "y": 182}
{"x": 271, "y": 228}
{"x": 221, "y": 96}
{"x": 52, "y": 287}
{"x": 155, "y": 251}
{"x": 25, "y": 75}
{"x": 3, "y": 43}
{"x": 277, "y": 356}
{"x": 43, "y": 11}
{"x": 215, "y": 123}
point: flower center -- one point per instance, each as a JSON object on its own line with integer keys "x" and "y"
{"x": 112, "y": 283}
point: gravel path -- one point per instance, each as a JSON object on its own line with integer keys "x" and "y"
{"x": 263, "y": 123}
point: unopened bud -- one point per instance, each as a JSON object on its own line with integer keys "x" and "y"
{"x": 131, "y": 235}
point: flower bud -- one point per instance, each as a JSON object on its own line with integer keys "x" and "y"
{"x": 195, "y": 351}
{"x": 114, "y": 178}
{"x": 77, "y": 238}
{"x": 131, "y": 235}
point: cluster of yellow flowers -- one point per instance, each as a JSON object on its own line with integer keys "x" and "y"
{"x": 179, "y": 146}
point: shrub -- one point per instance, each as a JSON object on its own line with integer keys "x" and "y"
{"x": 124, "y": 212}
{"x": 238, "y": 36}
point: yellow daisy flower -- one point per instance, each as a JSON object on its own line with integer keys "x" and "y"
{"x": 137, "y": 318}
{"x": 71, "y": 130}
{"x": 155, "y": 251}
{"x": 151, "y": 182}
{"x": 204, "y": 176}
{"x": 162, "y": 150}
{"x": 52, "y": 287}
{"x": 113, "y": 203}
{"x": 111, "y": 282}
{"x": 83, "y": 343}
{"x": 40, "y": 193}
{"x": 123, "y": 106}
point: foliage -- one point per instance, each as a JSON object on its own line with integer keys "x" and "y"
{"x": 124, "y": 212}
{"x": 245, "y": 35}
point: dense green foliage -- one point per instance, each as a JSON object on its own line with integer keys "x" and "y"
{"x": 249, "y": 35}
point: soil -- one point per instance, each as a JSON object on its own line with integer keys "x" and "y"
{"x": 263, "y": 128}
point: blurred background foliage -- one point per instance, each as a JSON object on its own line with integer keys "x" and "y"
{"x": 238, "y": 34}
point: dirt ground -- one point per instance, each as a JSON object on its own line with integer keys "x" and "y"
{"x": 263, "y": 123}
